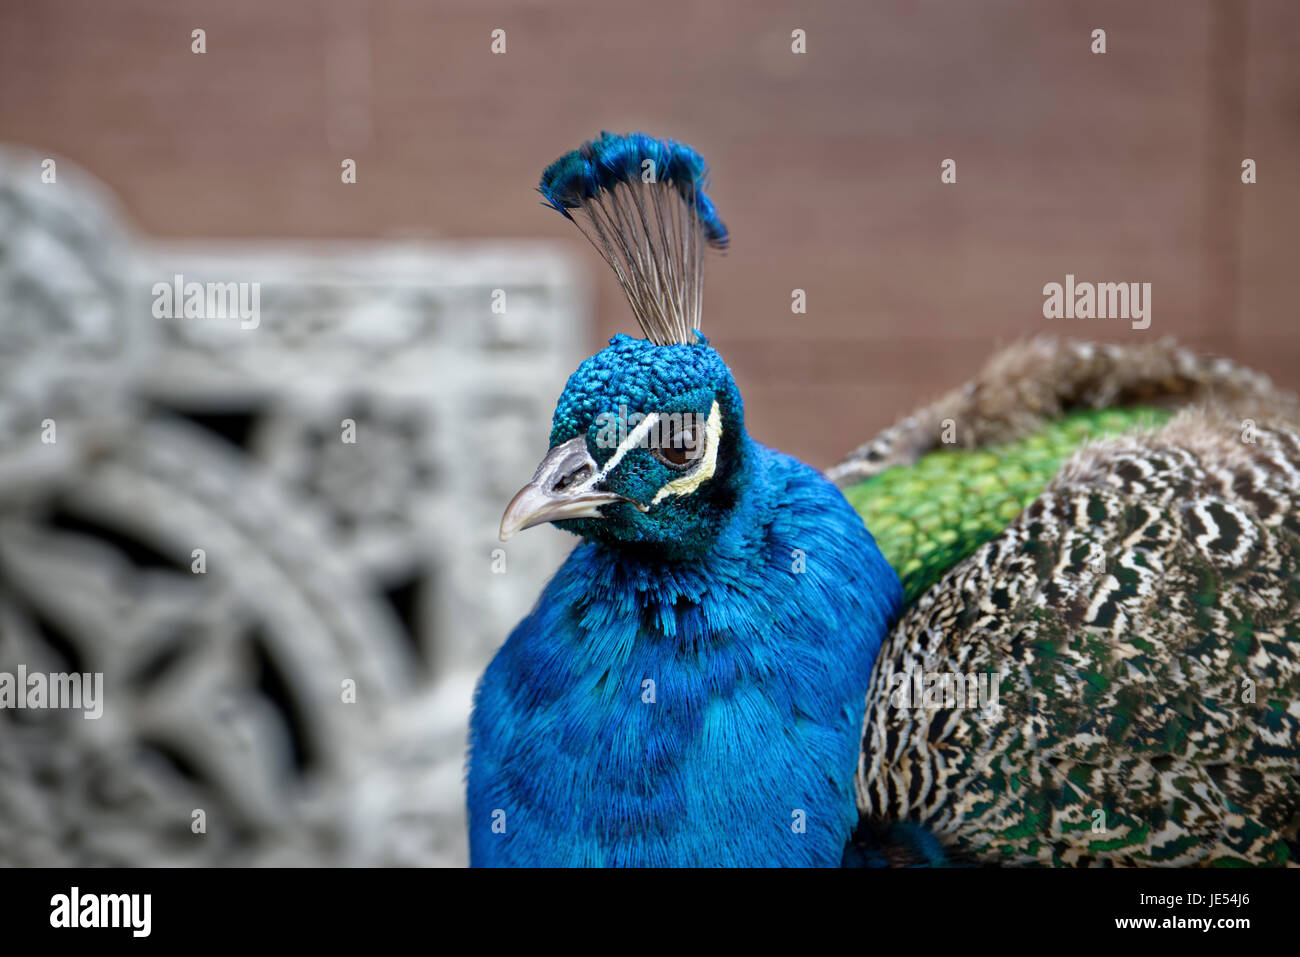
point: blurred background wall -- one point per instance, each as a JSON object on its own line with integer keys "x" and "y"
{"x": 377, "y": 563}
{"x": 1116, "y": 167}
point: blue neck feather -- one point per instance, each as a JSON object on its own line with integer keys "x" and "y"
{"x": 652, "y": 711}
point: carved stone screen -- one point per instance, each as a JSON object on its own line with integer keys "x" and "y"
{"x": 273, "y": 532}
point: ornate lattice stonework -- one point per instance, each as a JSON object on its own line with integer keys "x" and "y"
{"x": 341, "y": 465}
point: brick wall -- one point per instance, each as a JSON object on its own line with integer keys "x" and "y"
{"x": 1115, "y": 167}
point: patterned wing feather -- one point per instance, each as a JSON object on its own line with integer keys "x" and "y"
{"x": 928, "y": 516}
{"x": 1143, "y": 617}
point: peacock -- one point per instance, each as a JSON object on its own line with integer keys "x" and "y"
{"x": 1051, "y": 619}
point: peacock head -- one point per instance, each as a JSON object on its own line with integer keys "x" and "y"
{"x": 648, "y": 444}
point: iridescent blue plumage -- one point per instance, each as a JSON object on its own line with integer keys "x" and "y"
{"x": 689, "y": 689}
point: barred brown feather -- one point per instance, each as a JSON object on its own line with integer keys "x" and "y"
{"x": 1144, "y": 616}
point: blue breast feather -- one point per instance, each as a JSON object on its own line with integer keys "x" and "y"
{"x": 701, "y": 713}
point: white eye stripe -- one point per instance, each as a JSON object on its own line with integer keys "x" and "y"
{"x": 634, "y": 438}
{"x": 689, "y": 482}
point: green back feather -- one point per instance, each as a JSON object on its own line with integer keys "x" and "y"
{"x": 930, "y": 515}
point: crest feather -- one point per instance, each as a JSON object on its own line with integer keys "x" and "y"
{"x": 641, "y": 203}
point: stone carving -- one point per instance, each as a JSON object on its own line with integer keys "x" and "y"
{"x": 276, "y": 542}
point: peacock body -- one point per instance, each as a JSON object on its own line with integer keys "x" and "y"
{"x": 1074, "y": 637}
{"x": 1142, "y": 610}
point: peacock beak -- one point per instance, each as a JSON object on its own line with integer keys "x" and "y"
{"x": 562, "y": 487}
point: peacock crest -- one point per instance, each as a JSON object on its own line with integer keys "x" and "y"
{"x": 641, "y": 202}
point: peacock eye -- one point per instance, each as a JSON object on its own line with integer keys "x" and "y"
{"x": 681, "y": 449}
